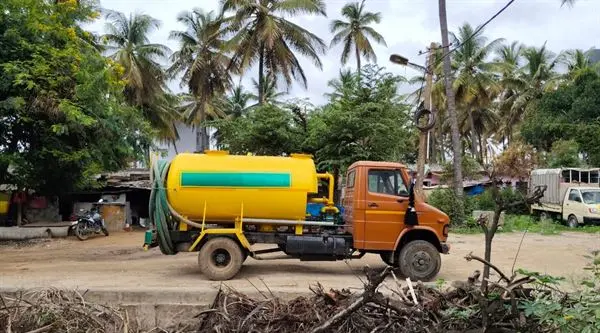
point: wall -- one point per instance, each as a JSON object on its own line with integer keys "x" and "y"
{"x": 186, "y": 142}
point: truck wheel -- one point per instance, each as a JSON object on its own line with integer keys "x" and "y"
{"x": 545, "y": 216}
{"x": 419, "y": 260}
{"x": 387, "y": 258}
{"x": 220, "y": 258}
{"x": 572, "y": 221}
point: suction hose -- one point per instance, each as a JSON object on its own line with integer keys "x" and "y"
{"x": 164, "y": 217}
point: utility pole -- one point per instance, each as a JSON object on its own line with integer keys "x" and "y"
{"x": 425, "y": 131}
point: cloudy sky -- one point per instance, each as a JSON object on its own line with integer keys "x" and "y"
{"x": 408, "y": 26}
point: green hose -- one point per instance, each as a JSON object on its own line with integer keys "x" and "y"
{"x": 159, "y": 208}
{"x": 164, "y": 217}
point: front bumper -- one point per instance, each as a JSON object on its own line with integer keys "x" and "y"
{"x": 591, "y": 220}
{"x": 445, "y": 248}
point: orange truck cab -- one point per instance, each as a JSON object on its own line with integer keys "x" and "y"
{"x": 376, "y": 202}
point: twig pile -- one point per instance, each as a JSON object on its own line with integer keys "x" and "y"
{"x": 459, "y": 309}
{"x": 53, "y": 310}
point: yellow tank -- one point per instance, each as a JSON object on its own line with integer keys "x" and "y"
{"x": 268, "y": 187}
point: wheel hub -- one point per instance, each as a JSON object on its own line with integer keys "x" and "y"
{"x": 421, "y": 261}
{"x": 221, "y": 257}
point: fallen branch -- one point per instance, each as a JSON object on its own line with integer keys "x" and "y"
{"x": 470, "y": 257}
{"x": 367, "y": 295}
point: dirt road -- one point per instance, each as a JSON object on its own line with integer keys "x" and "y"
{"x": 118, "y": 262}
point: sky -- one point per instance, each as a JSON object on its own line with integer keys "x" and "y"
{"x": 408, "y": 27}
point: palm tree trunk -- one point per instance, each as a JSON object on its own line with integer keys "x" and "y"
{"x": 261, "y": 76}
{"x": 482, "y": 147}
{"x": 174, "y": 146}
{"x": 357, "y": 52}
{"x": 451, "y": 106}
{"x": 473, "y": 132}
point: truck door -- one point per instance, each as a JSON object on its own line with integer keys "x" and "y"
{"x": 386, "y": 204}
{"x": 574, "y": 206}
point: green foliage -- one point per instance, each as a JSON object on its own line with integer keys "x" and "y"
{"x": 564, "y": 154}
{"x": 470, "y": 169}
{"x": 485, "y": 201}
{"x": 365, "y": 120}
{"x": 60, "y": 101}
{"x": 266, "y": 130}
{"x": 574, "y": 312}
{"x": 568, "y": 113}
{"x": 446, "y": 201}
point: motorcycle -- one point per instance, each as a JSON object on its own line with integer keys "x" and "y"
{"x": 90, "y": 222}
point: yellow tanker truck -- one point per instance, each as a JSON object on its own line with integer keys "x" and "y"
{"x": 221, "y": 205}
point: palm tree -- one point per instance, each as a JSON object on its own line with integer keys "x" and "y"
{"x": 475, "y": 84}
{"x": 508, "y": 59}
{"x": 235, "y": 104}
{"x": 263, "y": 35}
{"x": 269, "y": 91}
{"x": 128, "y": 44}
{"x": 578, "y": 62}
{"x": 340, "y": 85}
{"x": 202, "y": 60}
{"x": 355, "y": 33}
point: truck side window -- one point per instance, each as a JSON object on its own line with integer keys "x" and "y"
{"x": 574, "y": 196}
{"x": 350, "y": 181}
{"x": 387, "y": 182}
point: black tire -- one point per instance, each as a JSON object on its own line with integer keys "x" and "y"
{"x": 572, "y": 221}
{"x": 105, "y": 231}
{"x": 419, "y": 260}
{"x": 220, "y": 258}
{"x": 545, "y": 216}
{"x": 78, "y": 230}
{"x": 387, "y": 258}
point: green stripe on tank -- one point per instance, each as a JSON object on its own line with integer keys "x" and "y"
{"x": 235, "y": 179}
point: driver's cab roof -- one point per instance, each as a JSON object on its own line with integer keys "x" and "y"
{"x": 377, "y": 164}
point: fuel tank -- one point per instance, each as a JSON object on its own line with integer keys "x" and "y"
{"x": 267, "y": 187}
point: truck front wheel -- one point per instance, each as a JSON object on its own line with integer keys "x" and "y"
{"x": 419, "y": 260}
{"x": 220, "y": 258}
{"x": 572, "y": 221}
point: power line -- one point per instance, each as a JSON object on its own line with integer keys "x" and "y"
{"x": 477, "y": 31}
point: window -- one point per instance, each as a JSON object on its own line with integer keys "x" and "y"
{"x": 574, "y": 196}
{"x": 387, "y": 182}
{"x": 585, "y": 177}
{"x": 350, "y": 180}
{"x": 594, "y": 176}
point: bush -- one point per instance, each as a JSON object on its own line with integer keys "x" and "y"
{"x": 485, "y": 201}
{"x": 446, "y": 201}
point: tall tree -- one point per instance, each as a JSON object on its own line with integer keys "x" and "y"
{"x": 127, "y": 43}
{"x": 202, "y": 60}
{"x": 263, "y": 35}
{"x": 61, "y": 102}
{"x": 269, "y": 92}
{"x": 476, "y": 85}
{"x": 355, "y": 32}
{"x": 451, "y": 106}
{"x": 578, "y": 62}
{"x": 508, "y": 59}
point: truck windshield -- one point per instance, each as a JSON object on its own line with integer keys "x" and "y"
{"x": 591, "y": 197}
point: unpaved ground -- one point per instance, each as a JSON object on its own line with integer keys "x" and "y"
{"x": 118, "y": 262}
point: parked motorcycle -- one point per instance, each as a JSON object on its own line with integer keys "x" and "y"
{"x": 89, "y": 223}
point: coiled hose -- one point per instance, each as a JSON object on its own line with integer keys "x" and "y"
{"x": 163, "y": 216}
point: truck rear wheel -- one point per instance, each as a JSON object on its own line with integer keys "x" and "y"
{"x": 419, "y": 260}
{"x": 220, "y": 258}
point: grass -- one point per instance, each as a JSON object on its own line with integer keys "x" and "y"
{"x": 520, "y": 223}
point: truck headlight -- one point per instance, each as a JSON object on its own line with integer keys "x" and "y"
{"x": 594, "y": 210}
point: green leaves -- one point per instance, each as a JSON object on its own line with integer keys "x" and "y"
{"x": 64, "y": 119}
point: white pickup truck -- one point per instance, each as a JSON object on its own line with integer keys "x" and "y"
{"x": 572, "y": 195}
